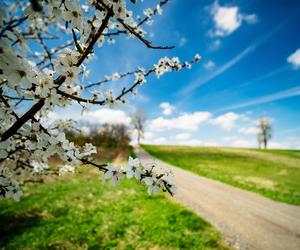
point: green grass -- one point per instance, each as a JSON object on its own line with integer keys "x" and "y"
{"x": 272, "y": 173}
{"x": 77, "y": 212}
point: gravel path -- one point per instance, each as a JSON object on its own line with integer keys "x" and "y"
{"x": 245, "y": 219}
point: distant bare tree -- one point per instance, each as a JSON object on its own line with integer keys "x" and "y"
{"x": 138, "y": 120}
{"x": 264, "y": 133}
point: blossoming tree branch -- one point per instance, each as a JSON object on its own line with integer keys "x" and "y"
{"x": 53, "y": 76}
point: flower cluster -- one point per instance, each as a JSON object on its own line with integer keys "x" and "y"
{"x": 139, "y": 77}
{"x": 166, "y": 65}
{"x": 65, "y": 169}
{"x": 114, "y": 77}
{"x": 66, "y": 65}
{"x": 9, "y": 188}
{"x": 152, "y": 176}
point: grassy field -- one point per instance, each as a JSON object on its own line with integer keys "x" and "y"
{"x": 272, "y": 173}
{"x": 77, "y": 212}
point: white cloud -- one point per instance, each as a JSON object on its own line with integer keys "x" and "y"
{"x": 167, "y": 108}
{"x": 99, "y": 116}
{"x": 182, "y": 136}
{"x": 172, "y": 140}
{"x": 235, "y": 141}
{"x": 148, "y": 135}
{"x": 274, "y": 144}
{"x": 212, "y": 143}
{"x": 248, "y": 130}
{"x": 52, "y": 116}
{"x": 228, "y": 19}
{"x": 182, "y": 41}
{"x": 294, "y": 59}
{"x": 210, "y": 64}
{"x": 226, "y": 121}
{"x": 159, "y": 140}
{"x": 151, "y": 138}
{"x": 291, "y": 143}
{"x": 187, "y": 122}
{"x": 192, "y": 142}
{"x": 85, "y": 130}
{"x": 105, "y": 115}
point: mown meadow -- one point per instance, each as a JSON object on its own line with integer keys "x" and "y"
{"x": 272, "y": 173}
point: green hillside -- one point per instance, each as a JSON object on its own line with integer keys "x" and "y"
{"x": 272, "y": 173}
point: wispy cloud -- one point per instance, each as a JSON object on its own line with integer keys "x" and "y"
{"x": 265, "y": 76}
{"x": 201, "y": 81}
{"x": 265, "y": 99}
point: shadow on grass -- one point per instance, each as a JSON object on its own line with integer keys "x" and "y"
{"x": 11, "y": 226}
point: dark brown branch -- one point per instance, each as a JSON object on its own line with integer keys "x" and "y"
{"x": 79, "y": 99}
{"x": 116, "y": 33}
{"x": 12, "y": 24}
{"x": 107, "y": 80}
{"x": 88, "y": 50}
{"x": 52, "y": 52}
{"x": 101, "y": 167}
{"x": 36, "y": 6}
{"x": 46, "y": 50}
{"x": 7, "y": 105}
{"x": 17, "y": 98}
{"x": 76, "y": 42}
{"x": 19, "y": 123}
{"x": 145, "y": 41}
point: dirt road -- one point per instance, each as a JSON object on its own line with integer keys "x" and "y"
{"x": 245, "y": 219}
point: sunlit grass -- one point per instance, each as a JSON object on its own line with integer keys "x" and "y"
{"x": 78, "y": 212}
{"x": 272, "y": 173}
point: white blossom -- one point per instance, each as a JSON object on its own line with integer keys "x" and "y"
{"x": 65, "y": 169}
{"x": 159, "y": 9}
{"x": 148, "y": 12}
{"x": 113, "y": 174}
{"x": 9, "y": 188}
{"x": 139, "y": 77}
{"x": 133, "y": 168}
{"x": 73, "y": 13}
{"x": 39, "y": 167}
{"x": 197, "y": 57}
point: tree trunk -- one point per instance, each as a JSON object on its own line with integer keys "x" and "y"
{"x": 265, "y": 143}
{"x": 139, "y": 138}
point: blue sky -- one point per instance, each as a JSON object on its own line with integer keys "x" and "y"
{"x": 244, "y": 73}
